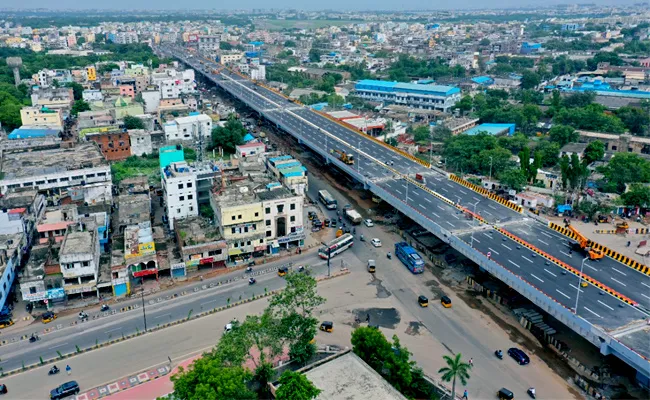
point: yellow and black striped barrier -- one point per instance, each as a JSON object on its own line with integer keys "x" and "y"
{"x": 639, "y": 231}
{"x": 486, "y": 193}
{"x": 606, "y": 231}
{"x": 567, "y": 267}
{"x": 644, "y": 269}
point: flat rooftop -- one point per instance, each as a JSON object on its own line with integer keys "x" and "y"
{"x": 197, "y": 231}
{"x": 133, "y": 208}
{"x": 22, "y": 164}
{"x": 16, "y": 199}
{"x": 348, "y": 377}
{"x": 78, "y": 242}
{"x": 279, "y": 193}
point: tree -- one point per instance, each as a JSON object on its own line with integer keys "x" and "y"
{"x": 421, "y": 134}
{"x": 530, "y": 79}
{"x": 455, "y": 369}
{"x": 637, "y": 196}
{"x": 399, "y": 366}
{"x": 314, "y": 55}
{"x": 371, "y": 346}
{"x": 228, "y": 136}
{"x": 131, "y": 122}
{"x": 81, "y": 40}
{"x": 548, "y": 152}
{"x": 104, "y": 68}
{"x": 591, "y": 208}
{"x": 484, "y": 42}
{"x": 562, "y": 134}
{"x": 528, "y": 168}
{"x": 296, "y": 386}
{"x": 441, "y": 133}
{"x": 592, "y": 118}
{"x": 464, "y": 105}
{"x": 513, "y": 178}
{"x": 77, "y": 90}
{"x": 625, "y": 168}
{"x": 635, "y": 119}
{"x": 208, "y": 379}
{"x": 79, "y": 106}
{"x": 595, "y": 151}
{"x": 514, "y": 143}
{"x": 225, "y": 46}
{"x": 577, "y": 100}
{"x": 289, "y": 43}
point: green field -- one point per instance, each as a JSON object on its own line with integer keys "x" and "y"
{"x": 277, "y": 24}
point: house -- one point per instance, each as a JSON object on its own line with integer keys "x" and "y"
{"x": 573, "y": 148}
{"x": 41, "y": 116}
{"x": 200, "y": 245}
{"x": 79, "y": 260}
{"x": 188, "y": 128}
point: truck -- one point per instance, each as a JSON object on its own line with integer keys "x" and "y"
{"x": 353, "y": 216}
{"x": 347, "y": 158}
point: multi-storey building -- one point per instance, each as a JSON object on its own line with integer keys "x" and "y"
{"x": 41, "y": 116}
{"x": 428, "y": 97}
{"x": 209, "y": 42}
{"x": 188, "y": 128}
{"x": 79, "y": 260}
{"x": 179, "y": 191}
{"x": 283, "y": 217}
{"x": 52, "y": 98}
{"x": 113, "y": 145}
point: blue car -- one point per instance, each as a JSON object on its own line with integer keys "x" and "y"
{"x": 518, "y": 355}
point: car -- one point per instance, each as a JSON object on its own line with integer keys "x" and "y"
{"x": 376, "y": 242}
{"x": 64, "y": 390}
{"x": 48, "y": 317}
{"x": 518, "y": 355}
{"x": 368, "y": 222}
{"x": 227, "y": 328}
{"x": 3, "y": 389}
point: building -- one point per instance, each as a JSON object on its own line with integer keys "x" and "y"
{"x": 258, "y": 73}
{"x": 52, "y": 98}
{"x": 79, "y": 260}
{"x": 127, "y": 90}
{"x": 200, "y": 245}
{"x": 151, "y": 99}
{"x": 40, "y": 279}
{"x": 290, "y": 172}
{"x": 179, "y": 191}
{"x": 19, "y": 212}
{"x": 125, "y": 38}
{"x": 173, "y": 83}
{"x": 209, "y": 42}
{"x": 530, "y": 48}
{"x": 41, "y": 116}
{"x": 91, "y": 73}
{"x": 114, "y": 146}
{"x": 283, "y": 217}
{"x": 171, "y": 154}
{"x": 54, "y": 170}
{"x": 54, "y": 222}
{"x": 11, "y": 256}
{"x": 140, "y": 251}
{"x": 188, "y": 128}
{"x": 140, "y": 142}
{"x": 431, "y": 97}
{"x": 91, "y": 95}
{"x": 492, "y": 129}
{"x": 230, "y": 58}
{"x": 132, "y": 209}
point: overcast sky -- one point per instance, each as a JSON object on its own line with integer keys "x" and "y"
{"x": 295, "y": 4}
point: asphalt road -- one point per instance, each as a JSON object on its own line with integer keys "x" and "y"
{"x": 110, "y": 327}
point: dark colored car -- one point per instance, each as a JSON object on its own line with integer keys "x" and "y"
{"x": 65, "y": 390}
{"x": 518, "y": 355}
{"x": 3, "y": 389}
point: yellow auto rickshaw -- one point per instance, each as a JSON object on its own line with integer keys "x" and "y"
{"x": 339, "y": 233}
{"x": 282, "y": 271}
{"x": 6, "y": 323}
{"x": 48, "y": 317}
{"x": 445, "y": 301}
{"x": 327, "y": 326}
{"x": 423, "y": 301}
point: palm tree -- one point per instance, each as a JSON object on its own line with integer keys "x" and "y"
{"x": 455, "y": 369}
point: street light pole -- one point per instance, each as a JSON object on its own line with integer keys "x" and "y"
{"x": 474, "y": 217}
{"x": 407, "y": 185}
{"x": 144, "y": 312}
{"x": 329, "y": 252}
{"x": 358, "y": 155}
{"x": 582, "y": 265}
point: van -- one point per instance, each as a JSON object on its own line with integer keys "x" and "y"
{"x": 371, "y": 266}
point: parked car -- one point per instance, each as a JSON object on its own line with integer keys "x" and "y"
{"x": 518, "y": 355}
{"x": 368, "y": 223}
{"x": 376, "y": 242}
{"x": 64, "y": 390}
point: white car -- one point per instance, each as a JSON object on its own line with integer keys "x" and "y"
{"x": 368, "y": 223}
{"x": 376, "y": 242}
{"x": 227, "y": 328}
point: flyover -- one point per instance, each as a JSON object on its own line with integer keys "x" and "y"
{"x": 527, "y": 254}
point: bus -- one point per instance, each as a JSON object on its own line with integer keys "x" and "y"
{"x": 326, "y": 198}
{"x": 409, "y": 257}
{"x": 336, "y": 246}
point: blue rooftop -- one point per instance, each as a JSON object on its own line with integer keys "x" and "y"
{"x": 289, "y": 165}
{"x": 30, "y": 133}
{"x": 386, "y": 86}
{"x": 492, "y": 129}
{"x": 248, "y": 137}
{"x": 483, "y": 80}
{"x": 280, "y": 158}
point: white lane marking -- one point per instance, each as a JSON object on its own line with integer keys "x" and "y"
{"x": 587, "y": 265}
{"x": 444, "y": 190}
{"x": 476, "y": 198}
{"x": 208, "y": 302}
{"x": 550, "y": 272}
{"x": 605, "y": 305}
{"x": 513, "y": 263}
{"x": 462, "y": 191}
{"x": 437, "y": 216}
{"x": 398, "y": 191}
{"x": 563, "y": 294}
{"x": 450, "y": 223}
{"x": 427, "y": 200}
{"x": 546, "y": 234}
{"x": 493, "y": 251}
{"x": 592, "y": 312}
{"x": 620, "y": 272}
{"x": 574, "y": 286}
{"x": 537, "y": 278}
{"x": 164, "y": 315}
{"x": 645, "y": 296}
{"x": 487, "y": 212}
{"x": 541, "y": 241}
{"x": 645, "y": 285}
{"x": 441, "y": 208}
{"x": 113, "y": 330}
{"x": 492, "y": 207}
{"x": 423, "y": 207}
{"x": 408, "y": 198}
{"x": 527, "y": 259}
{"x": 61, "y": 345}
{"x": 619, "y": 282}
{"x": 506, "y": 246}
{"x": 485, "y": 234}
{"x": 476, "y": 240}
{"x": 455, "y": 216}
{"x": 566, "y": 254}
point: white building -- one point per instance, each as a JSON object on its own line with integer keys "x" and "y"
{"x": 283, "y": 217}
{"x": 179, "y": 187}
{"x": 89, "y": 95}
{"x": 79, "y": 260}
{"x": 209, "y": 42}
{"x": 258, "y": 73}
{"x": 126, "y": 38}
{"x": 188, "y": 128}
{"x": 173, "y": 83}
{"x": 151, "y": 99}
{"x": 140, "y": 142}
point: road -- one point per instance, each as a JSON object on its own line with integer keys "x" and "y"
{"x": 106, "y": 328}
{"x": 371, "y": 161}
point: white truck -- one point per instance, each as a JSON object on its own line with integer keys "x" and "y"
{"x": 353, "y": 216}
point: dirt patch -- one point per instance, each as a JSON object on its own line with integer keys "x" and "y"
{"x": 382, "y": 317}
{"x": 414, "y": 328}
{"x": 382, "y": 292}
{"x": 435, "y": 288}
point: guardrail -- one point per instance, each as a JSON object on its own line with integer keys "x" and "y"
{"x": 642, "y": 268}
{"x": 486, "y": 193}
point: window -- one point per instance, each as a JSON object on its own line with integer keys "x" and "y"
{"x": 267, "y": 210}
{"x": 236, "y": 245}
{"x": 32, "y": 290}
{"x": 292, "y": 206}
{"x": 69, "y": 266}
{"x": 85, "y": 263}
{"x": 261, "y": 241}
{"x": 178, "y": 211}
{"x": 233, "y": 231}
{"x": 268, "y": 222}
{"x": 28, "y": 184}
{"x": 257, "y": 214}
{"x": 269, "y": 234}
{"x": 293, "y": 218}
{"x": 65, "y": 179}
{"x": 248, "y": 243}
{"x": 191, "y": 208}
{"x": 180, "y": 185}
{"x": 98, "y": 174}
{"x": 293, "y": 229}
{"x": 189, "y": 184}
{"x": 190, "y": 196}
{"x": 281, "y": 208}
{"x": 233, "y": 217}
{"x": 239, "y": 216}
{"x": 181, "y": 198}
{"x": 51, "y": 181}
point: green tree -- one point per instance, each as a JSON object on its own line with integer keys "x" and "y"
{"x": 455, "y": 369}
{"x": 548, "y": 152}
{"x": 79, "y": 106}
{"x": 625, "y": 168}
{"x": 228, "y": 136}
{"x": 225, "y": 46}
{"x": 591, "y": 208}
{"x": 296, "y": 386}
{"x": 484, "y": 42}
{"x": 637, "y": 196}
{"x": 399, "y": 366}
{"x": 77, "y": 90}
{"x": 80, "y": 41}
{"x": 578, "y": 100}
{"x": 131, "y": 122}
{"x": 104, "y": 68}
{"x": 635, "y": 119}
{"x": 514, "y": 143}
{"x": 595, "y": 151}
{"x": 289, "y": 43}
{"x": 208, "y": 379}
{"x": 421, "y": 134}
{"x": 562, "y": 134}
{"x": 513, "y": 178}
{"x": 314, "y": 55}
{"x": 464, "y": 105}
{"x": 371, "y": 346}
{"x": 530, "y": 80}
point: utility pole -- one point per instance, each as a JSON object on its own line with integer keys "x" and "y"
{"x": 144, "y": 312}
{"x": 329, "y": 255}
{"x": 575, "y": 311}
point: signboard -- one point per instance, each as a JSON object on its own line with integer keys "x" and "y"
{"x": 178, "y": 266}
{"x": 291, "y": 238}
{"x": 144, "y": 249}
{"x": 208, "y": 260}
{"x": 51, "y": 294}
{"x": 74, "y": 289}
{"x": 145, "y": 272}
{"x": 192, "y": 263}
{"x": 260, "y": 248}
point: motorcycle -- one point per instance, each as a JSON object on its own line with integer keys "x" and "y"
{"x": 531, "y": 392}
{"x": 54, "y": 370}
{"x": 362, "y": 238}
{"x": 251, "y": 281}
{"x": 499, "y": 354}
{"x": 83, "y": 315}
{"x": 389, "y": 255}
{"x": 104, "y": 308}
{"x": 249, "y": 269}
{"x": 34, "y": 338}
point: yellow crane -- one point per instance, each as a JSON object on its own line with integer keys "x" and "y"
{"x": 345, "y": 157}
{"x": 583, "y": 243}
